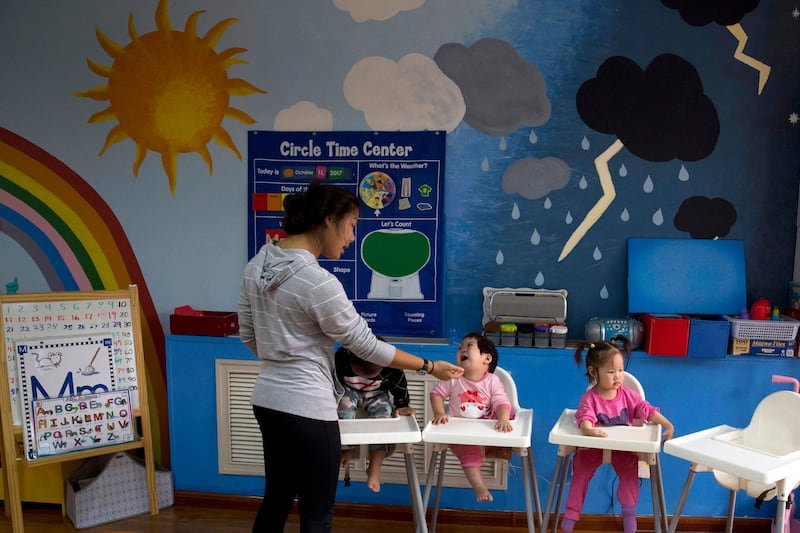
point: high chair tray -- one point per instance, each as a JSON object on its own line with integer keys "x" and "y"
{"x": 396, "y": 430}
{"x": 640, "y": 439}
{"x": 712, "y": 449}
{"x": 481, "y": 432}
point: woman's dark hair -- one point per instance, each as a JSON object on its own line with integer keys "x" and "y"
{"x": 362, "y": 367}
{"x": 485, "y": 346}
{"x": 306, "y": 211}
{"x": 599, "y": 353}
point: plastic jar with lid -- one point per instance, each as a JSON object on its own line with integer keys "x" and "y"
{"x": 558, "y": 336}
{"x": 525, "y": 335}
{"x": 508, "y": 334}
{"x": 541, "y": 335}
{"x": 491, "y": 330}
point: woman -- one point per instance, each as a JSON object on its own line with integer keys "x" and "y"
{"x": 291, "y": 313}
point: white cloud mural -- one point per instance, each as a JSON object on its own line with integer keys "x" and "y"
{"x": 411, "y": 94}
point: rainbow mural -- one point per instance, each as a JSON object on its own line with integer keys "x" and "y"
{"x": 79, "y": 245}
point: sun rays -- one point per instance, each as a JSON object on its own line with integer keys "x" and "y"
{"x": 169, "y": 91}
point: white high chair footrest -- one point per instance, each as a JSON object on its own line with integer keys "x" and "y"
{"x": 638, "y": 439}
{"x": 396, "y": 430}
{"x": 481, "y": 432}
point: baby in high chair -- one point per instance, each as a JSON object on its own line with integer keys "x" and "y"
{"x": 608, "y": 403}
{"x": 476, "y": 394}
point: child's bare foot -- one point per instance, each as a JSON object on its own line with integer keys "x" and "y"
{"x": 347, "y": 454}
{"x": 475, "y": 479}
{"x": 374, "y": 470}
{"x": 374, "y": 478}
{"x": 499, "y": 453}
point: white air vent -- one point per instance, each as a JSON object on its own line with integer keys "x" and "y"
{"x": 239, "y": 438}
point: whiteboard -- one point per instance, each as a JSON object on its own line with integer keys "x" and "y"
{"x": 29, "y": 321}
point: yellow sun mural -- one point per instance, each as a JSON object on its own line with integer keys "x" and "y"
{"x": 169, "y": 90}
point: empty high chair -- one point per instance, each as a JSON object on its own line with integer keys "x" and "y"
{"x": 763, "y": 458}
{"x": 644, "y": 440}
{"x": 481, "y": 432}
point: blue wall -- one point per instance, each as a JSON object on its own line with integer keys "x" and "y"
{"x": 694, "y": 393}
{"x": 303, "y": 51}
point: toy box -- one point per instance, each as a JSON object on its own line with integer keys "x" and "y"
{"x": 111, "y": 487}
{"x": 187, "y": 321}
{"x": 781, "y": 348}
{"x": 666, "y": 334}
{"x": 708, "y": 337}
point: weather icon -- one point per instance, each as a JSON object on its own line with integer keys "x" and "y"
{"x": 169, "y": 91}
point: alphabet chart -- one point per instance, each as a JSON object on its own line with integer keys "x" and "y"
{"x": 54, "y": 368}
{"x": 96, "y": 318}
{"x": 74, "y": 423}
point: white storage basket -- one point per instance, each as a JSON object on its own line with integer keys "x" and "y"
{"x": 784, "y": 329}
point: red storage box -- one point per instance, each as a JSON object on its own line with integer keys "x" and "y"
{"x": 666, "y": 334}
{"x": 208, "y": 323}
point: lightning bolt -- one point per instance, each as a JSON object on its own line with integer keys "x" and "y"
{"x": 763, "y": 69}
{"x": 609, "y": 193}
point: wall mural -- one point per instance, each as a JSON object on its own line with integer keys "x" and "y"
{"x": 728, "y": 14}
{"x": 78, "y": 244}
{"x": 570, "y": 127}
{"x": 169, "y": 91}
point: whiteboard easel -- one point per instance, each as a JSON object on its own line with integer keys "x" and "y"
{"x": 54, "y": 314}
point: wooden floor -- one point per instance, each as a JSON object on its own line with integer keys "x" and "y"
{"x": 199, "y": 513}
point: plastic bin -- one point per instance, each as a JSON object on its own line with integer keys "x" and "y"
{"x": 784, "y": 329}
{"x": 708, "y": 337}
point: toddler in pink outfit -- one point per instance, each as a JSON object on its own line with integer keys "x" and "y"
{"x": 608, "y": 403}
{"x": 476, "y": 394}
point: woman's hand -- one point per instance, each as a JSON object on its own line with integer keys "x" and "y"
{"x": 405, "y": 411}
{"x": 443, "y": 370}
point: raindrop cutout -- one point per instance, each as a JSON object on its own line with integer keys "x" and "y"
{"x": 623, "y": 170}
{"x": 585, "y": 143}
{"x": 604, "y": 293}
{"x": 568, "y": 218}
{"x": 532, "y": 137}
{"x": 625, "y": 216}
{"x": 499, "y": 259}
{"x": 503, "y": 144}
{"x": 485, "y": 164}
{"x": 547, "y": 203}
{"x": 515, "y": 211}
{"x": 539, "y": 279}
{"x": 535, "y": 237}
{"x": 683, "y": 174}
{"x": 583, "y": 183}
{"x": 658, "y": 217}
{"x": 648, "y": 185}
{"x": 597, "y": 255}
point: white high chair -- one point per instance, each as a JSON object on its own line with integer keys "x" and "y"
{"x": 764, "y": 456}
{"x": 481, "y": 432}
{"x": 400, "y": 430}
{"x": 644, "y": 440}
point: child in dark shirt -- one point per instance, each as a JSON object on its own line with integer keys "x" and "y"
{"x": 371, "y": 391}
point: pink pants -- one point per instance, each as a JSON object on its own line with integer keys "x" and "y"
{"x": 584, "y": 465}
{"x": 468, "y": 454}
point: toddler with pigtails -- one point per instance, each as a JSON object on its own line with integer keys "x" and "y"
{"x": 608, "y": 403}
